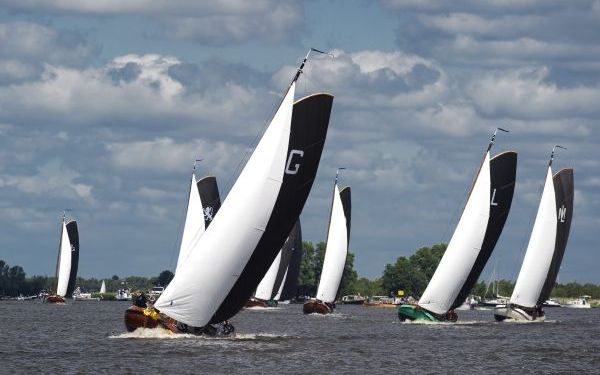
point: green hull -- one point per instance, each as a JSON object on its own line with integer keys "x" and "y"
{"x": 412, "y": 312}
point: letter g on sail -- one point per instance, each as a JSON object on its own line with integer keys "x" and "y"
{"x": 300, "y": 154}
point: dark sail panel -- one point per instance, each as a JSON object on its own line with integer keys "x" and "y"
{"x": 563, "y": 190}
{"x": 310, "y": 120}
{"x": 503, "y": 171}
{"x": 209, "y": 196}
{"x": 290, "y": 286}
{"x": 286, "y": 257}
{"x": 73, "y": 234}
{"x": 346, "y": 198}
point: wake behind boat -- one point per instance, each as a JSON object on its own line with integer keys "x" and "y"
{"x": 545, "y": 250}
{"x": 227, "y": 262}
{"x": 473, "y": 241}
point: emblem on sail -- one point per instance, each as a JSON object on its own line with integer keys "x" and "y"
{"x": 493, "y": 198}
{"x": 300, "y": 153}
{"x": 562, "y": 213}
{"x": 208, "y": 213}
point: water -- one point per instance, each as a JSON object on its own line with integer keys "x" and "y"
{"x": 86, "y": 337}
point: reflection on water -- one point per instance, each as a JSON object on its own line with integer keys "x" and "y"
{"x": 84, "y": 337}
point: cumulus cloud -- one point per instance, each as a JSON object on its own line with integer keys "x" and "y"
{"x": 52, "y": 178}
{"x": 208, "y": 22}
{"x": 524, "y": 93}
{"x": 27, "y": 47}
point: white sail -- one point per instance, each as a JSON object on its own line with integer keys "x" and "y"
{"x": 540, "y": 250}
{"x": 194, "y": 223}
{"x": 219, "y": 256}
{"x": 335, "y": 252}
{"x": 64, "y": 265}
{"x": 464, "y": 247}
{"x": 103, "y": 287}
{"x": 264, "y": 290}
{"x": 278, "y": 295}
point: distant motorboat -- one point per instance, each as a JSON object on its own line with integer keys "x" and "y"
{"x": 78, "y": 295}
{"x": 580, "y": 303}
{"x": 379, "y": 301}
{"x": 123, "y": 295}
{"x": 353, "y": 299}
{"x": 551, "y": 303}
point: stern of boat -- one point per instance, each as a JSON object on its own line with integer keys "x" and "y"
{"x": 316, "y": 307}
{"x": 516, "y": 314}
{"x": 414, "y": 312}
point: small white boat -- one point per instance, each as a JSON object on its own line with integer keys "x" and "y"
{"x": 123, "y": 295}
{"x": 551, "y": 303}
{"x": 78, "y": 295}
{"x": 580, "y": 303}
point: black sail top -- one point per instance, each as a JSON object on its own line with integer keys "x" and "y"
{"x": 290, "y": 286}
{"x": 209, "y": 196}
{"x": 286, "y": 256}
{"x": 310, "y": 120}
{"x": 503, "y": 171}
{"x": 73, "y": 234}
{"x": 346, "y": 198}
{"x": 563, "y": 191}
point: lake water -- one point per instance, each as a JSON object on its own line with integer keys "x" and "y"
{"x": 90, "y": 337}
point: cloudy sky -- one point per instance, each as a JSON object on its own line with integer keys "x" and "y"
{"x": 105, "y": 104}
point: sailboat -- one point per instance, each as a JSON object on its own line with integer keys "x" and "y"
{"x": 269, "y": 289}
{"x": 103, "y": 287}
{"x": 228, "y": 261}
{"x": 473, "y": 241}
{"x": 203, "y": 204}
{"x": 289, "y": 285}
{"x": 545, "y": 250}
{"x": 338, "y": 238}
{"x": 67, "y": 262}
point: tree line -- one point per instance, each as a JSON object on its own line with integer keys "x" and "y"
{"x": 409, "y": 274}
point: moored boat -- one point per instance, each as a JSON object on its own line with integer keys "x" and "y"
{"x": 473, "y": 241}
{"x": 579, "y": 303}
{"x": 545, "y": 249}
{"x": 353, "y": 299}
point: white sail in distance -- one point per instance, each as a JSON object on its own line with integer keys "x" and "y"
{"x": 464, "y": 246}
{"x": 207, "y": 275}
{"x": 264, "y": 290}
{"x": 103, "y": 287}
{"x": 540, "y": 250}
{"x": 194, "y": 223}
{"x": 335, "y": 252}
{"x": 64, "y": 263}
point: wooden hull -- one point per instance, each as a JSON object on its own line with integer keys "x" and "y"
{"x": 256, "y": 303}
{"x": 54, "y": 299}
{"x": 135, "y": 318}
{"x": 316, "y": 307}
{"x": 139, "y": 317}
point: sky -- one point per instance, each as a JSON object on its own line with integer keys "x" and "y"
{"x": 105, "y": 104}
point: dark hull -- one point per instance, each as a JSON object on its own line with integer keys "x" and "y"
{"x": 256, "y": 303}
{"x": 139, "y": 317}
{"x": 355, "y": 302}
{"x": 316, "y": 307}
{"x": 54, "y": 299}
